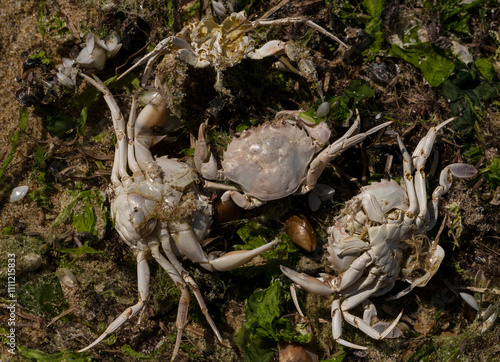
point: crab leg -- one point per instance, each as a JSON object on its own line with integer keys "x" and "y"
{"x": 132, "y": 162}
{"x": 421, "y": 154}
{"x": 328, "y": 154}
{"x": 188, "y": 245}
{"x": 143, "y": 287}
{"x": 306, "y": 282}
{"x": 184, "y": 302}
{"x": 270, "y": 48}
{"x": 458, "y": 170}
{"x": 236, "y": 258}
{"x": 153, "y": 56}
{"x": 204, "y": 160}
{"x": 299, "y": 20}
{"x": 360, "y": 323}
{"x": 293, "y": 292}
{"x": 119, "y": 125}
{"x": 410, "y": 186}
{"x": 243, "y": 201}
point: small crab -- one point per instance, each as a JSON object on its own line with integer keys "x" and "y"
{"x": 221, "y": 46}
{"x": 160, "y": 205}
{"x": 274, "y": 160}
{"x": 367, "y": 244}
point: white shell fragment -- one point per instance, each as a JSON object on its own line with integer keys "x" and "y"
{"x": 93, "y": 55}
{"x": 469, "y": 299}
{"x": 18, "y": 193}
{"x": 489, "y": 322}
{"x": 67, "y": 278}
{"x": 321, "y": 192}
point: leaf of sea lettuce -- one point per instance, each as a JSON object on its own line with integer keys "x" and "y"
{"x": 264, "y": 327}
{"x": 374, "y": 26}
{"x": 341, "y": 107}
{"x": 492, "y": 172}
{"x": 435, "y": 67}
{"x": 43, "y": 297}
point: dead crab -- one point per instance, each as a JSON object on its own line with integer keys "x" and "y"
{"x": 367, "y": 242}
{"x": 206, "y": 43}
{"x": 159, "y": 205}
{"x": 274, "y": 160}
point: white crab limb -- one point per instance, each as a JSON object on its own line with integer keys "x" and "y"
{"x": 293, "y": 292}
{"x": 271, "y": 48}
{"x": 236, "y": 258}
{"x": 189, "y": 246}
{"x": 336, "y": 314}
{"x": 204, "y": 160}
{"x": 242, "y": 200}
{"x": 184, "y": 301}
{"x": 143, "y": 288}
{"x": 458, "y": 170}
{"x": 153, "y": 56}
{"x": 420, "y": 156}
{"x": 120, "y": 130}
{"x": 301, "y": 21}
{"x": 368, "y": 329}
{"x": 328, "y": 154}
{"x": 306, "y": 282}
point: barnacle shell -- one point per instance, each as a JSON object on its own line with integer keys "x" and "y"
{"x": 301, "y": 232}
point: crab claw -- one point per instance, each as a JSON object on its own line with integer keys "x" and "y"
{"x": 308, "y": 283}
{"x": 236, "y": 258}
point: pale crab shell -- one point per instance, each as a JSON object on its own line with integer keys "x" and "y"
{"x": 223, "y": 45}
{"x": 270, "y": 161}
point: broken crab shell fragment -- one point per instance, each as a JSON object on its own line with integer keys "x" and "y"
{"x": 298, "y": 228}
{"x": 93, "y": 55}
